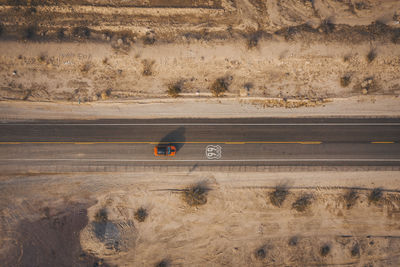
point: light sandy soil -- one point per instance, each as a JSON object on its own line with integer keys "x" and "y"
{"x": 50, "y": 220}
{"x": 363, "y": 106}
{"x": 294, "y": 49}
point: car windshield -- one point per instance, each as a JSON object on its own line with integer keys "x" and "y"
{"x": 161, "y": 150}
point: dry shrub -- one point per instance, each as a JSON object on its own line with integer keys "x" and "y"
{"x": 253, "y": 38}
{"x": 141, "y": 214}
{"x": 29, "y": 33}
{"x": 371, "y": 55}
{"x": 42, "y": 58}
{"x": 324, "y": 251}
{"x": 147, "y": 67}
{"x": 302, "y": 203}
{"x": 375, "y": 195}
{"x": 326, "y": 26}
{"x": 195, "y": 195}
{"x": 355, "y": 250}
{"x": 350, "y": 198}
{"x": 106, "y": 94}
{"x": 293, "y": 241}
{"x": 81, "y": 32}
{"x": 261, "y": 253}
{"x": 219, "y": 87}
{"x": 86, "y": 67}
{"x": 175, "y": 89}
{"x": 345, "y": 80}
{"x": 101, "y": 216}
{"x": 278, "y": 196}
{"x": 61, "y": 34}
{"x": 163, "y": 263}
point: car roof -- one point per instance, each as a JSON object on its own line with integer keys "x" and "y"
{"x": 162, "y": 150}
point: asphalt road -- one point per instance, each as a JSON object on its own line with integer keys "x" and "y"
{"x": 291, "y": 142}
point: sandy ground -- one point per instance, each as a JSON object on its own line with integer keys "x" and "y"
{"x": 363, "y": 106}
{"x": 238, "y": 225}
{"x": 292, "y": 49}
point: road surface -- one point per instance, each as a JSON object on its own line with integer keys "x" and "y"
{"x": 256, "y": 142}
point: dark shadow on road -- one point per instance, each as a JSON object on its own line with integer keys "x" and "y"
{"x": 176, "y": 138}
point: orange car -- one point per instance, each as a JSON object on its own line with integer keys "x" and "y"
{"x": 164, "y": 150}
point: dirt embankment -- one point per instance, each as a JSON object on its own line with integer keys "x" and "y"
{"x": 113, "y": 50}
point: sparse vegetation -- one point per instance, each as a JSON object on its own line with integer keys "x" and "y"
{"x": 302, "y": 203}
{"x": 86, "y": 67}
{"x": 219, "y": 87}
{"x": 278, "y": 196}
{"x": 81, "y": 32}
{"x": 375, "y": 195}
{"x": 253, "y": 38}
{"x": 147, "y": 67}
{"x": 141, "y": 214}
{"x": 327, "y": 26}
{"x": 293, "y": 241}
{"x": 355, "y": 250}
{"x": 30, "y": 32}
{"x": 350, "y": 198}
{"x": 174, "y": 89}
{"x": 371, "y": 55}
{"x": 261, "y": 253}
{"x": 345, "y": 80}
{"x": 163, "y": 263}
{"x": 61, "y": 34}
{"x": 195, "y": 195}
{"x": 324, "y": 251}
{"x": 101, "y": 216}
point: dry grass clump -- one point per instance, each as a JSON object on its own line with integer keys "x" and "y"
{"x": 375, "y": 195}
{"x": 219, "y": 87}
{"x": 101, "y": 216}
{"x": 350, "y": 198}
{"x": 324, "y": 251}
{"x": 29, "y": 33}
{"x": 163, "y": 263}
{"x": 278, "y": 196}
{"x": 302, "y": 203}
{"x": 345, "y": 80}
{"x": 147, "y": 67}
{"x": 261, "y": 253}
{"x": 371, "y": 55}
{"x": 86, "y": 67}
{"x": 195, "y": 195}
{"x": 174, "y": 89}
{"x": 293, "y": 241}
{"x": 355, "y": 250}
{"x": 141, "y": 214}
{"x": 253, "y": 38}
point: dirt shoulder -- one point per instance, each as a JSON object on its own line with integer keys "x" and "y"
{"x": 378, "y": 106}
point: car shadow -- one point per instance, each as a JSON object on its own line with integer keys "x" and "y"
{"x": 176, "y": 138}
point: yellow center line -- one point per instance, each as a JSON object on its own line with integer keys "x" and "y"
{"x": 155, "y": 143}
{"x": 383, "y": 142}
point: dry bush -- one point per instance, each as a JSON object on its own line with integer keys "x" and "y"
{"x": 81, "y": 32}
{"x": 253, "y": 38}
{"x": 375, "y": 195}
{"x": 371, "y": 55}
{"x": 324, "y": 251}
{"x": 261, "y": 253}
{"x": 147, "y": 67}
{"x": 29, "y": 33}
{"x": 350, "y": 198}
{"x": 101, "y": 216}
{"x": 326, "y": 26}
{"x": 355, "y": 250}
{"x": 293, "y": 241}
{"x": 195, "y": 195}
{"x": 141, "y": 214}
{"x": 163, "y": 263}
{"x": 219, "y": 87}
{"x": 42, "y": 58}
{"x": 302, "y": 203}
{"x": 1, "y": 29}
{"x": 345, "y": 80}
{"x": 174, "y": 89}
{"x": 278, "y": 196}
{"x": 61, "y": 34}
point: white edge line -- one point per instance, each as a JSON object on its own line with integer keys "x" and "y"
{"x": 194, "y": 160}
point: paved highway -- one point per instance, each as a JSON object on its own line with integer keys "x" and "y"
{"x": 292, "y": 142}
